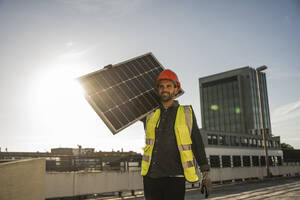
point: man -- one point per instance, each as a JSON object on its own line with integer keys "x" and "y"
{"x": 173, "y": 142}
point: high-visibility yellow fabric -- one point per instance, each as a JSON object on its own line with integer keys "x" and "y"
{"x": 151, "y": 123}
{"x": 182, "y": 129}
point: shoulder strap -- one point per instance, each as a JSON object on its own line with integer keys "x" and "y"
{"x": 148, "y": 117}
{"x": 188, "y": 117}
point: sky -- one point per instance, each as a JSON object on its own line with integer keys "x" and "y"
{"x": 46, "y": 44}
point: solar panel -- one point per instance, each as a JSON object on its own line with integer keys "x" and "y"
{"x": 124, "y": 93}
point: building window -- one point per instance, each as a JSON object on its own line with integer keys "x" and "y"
{"x": 259, "y": 143}
{"x": 234, "y": 140}
{"x": 226, "y": 161}
{"x": 254, "y": 142}
{"x": 245, "y": 142}
{"x": 237, "y": 141}
{"x": 262, "y": 161}
{"x": 267, "y": 131}
{"x": 255, "y": 161}
{"x": 271, "y": 161}
{"x": 214, "y": 161}
{"x": 209, "y": 139}
{"x": 214, "y": 140}
{"x": 279, "y": 161}
{"x": 236, "y": 161}
{"x": 271, "y": 143}
{"x": 278, "y": 144}
{"x": 246, "y": 161}
{"x": 222, "y": 140}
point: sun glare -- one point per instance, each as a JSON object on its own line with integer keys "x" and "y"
{"x": 58, "y": 99}
{"x": 57, "y": 91}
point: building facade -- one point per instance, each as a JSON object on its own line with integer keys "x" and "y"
{"x": 231, "y": 122}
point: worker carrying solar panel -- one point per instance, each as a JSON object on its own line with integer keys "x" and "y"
{"x": 140, "y": 88}
{"x": 173, "y": 143}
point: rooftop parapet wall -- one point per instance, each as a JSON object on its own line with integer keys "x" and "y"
{"x": 67, "y": 184}
{"x": 23, "y": 180}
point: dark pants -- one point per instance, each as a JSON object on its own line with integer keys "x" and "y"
{"x": 168, "y": 188}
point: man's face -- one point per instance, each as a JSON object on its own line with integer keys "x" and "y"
{"x": 166, "y": 90}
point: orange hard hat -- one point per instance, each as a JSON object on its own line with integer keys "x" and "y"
{"x": 168, "y": 75}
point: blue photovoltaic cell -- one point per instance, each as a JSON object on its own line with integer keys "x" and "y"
{"x": 123, "y": 93}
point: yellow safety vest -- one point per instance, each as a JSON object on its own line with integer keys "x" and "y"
{"x": 183, "y": 128}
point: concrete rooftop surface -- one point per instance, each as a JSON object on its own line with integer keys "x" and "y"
{"x": 273, "y": 189}
{"x": 285, "y": 188}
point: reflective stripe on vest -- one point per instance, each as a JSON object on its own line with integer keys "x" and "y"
{"x": 183, "y": 127}
{"x": 151, "y": 122}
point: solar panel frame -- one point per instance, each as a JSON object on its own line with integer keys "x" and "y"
{"x": 119, "y": 109}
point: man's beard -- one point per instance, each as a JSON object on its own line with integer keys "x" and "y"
{"x": 166, "y": 98}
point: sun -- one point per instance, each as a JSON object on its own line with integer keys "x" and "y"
{"x": 57, "y": 99}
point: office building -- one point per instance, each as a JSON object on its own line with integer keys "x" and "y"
{"x": 231, "y": 121}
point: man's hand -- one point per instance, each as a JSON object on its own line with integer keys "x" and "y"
{"x": 206, "y": 185}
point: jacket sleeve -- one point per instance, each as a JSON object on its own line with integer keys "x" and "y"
{"x": 198, "y": 146}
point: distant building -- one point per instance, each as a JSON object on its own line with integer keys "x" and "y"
{"x": 231, "y": 123}
{"x": 62, "y": 151}
{"x": 72, "y": 151}
{"x": 76, "y": 159}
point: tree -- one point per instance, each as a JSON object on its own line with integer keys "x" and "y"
{"x": 286, "y": 146}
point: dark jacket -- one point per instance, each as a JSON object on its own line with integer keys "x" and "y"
{"x": 165, "y": 161}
